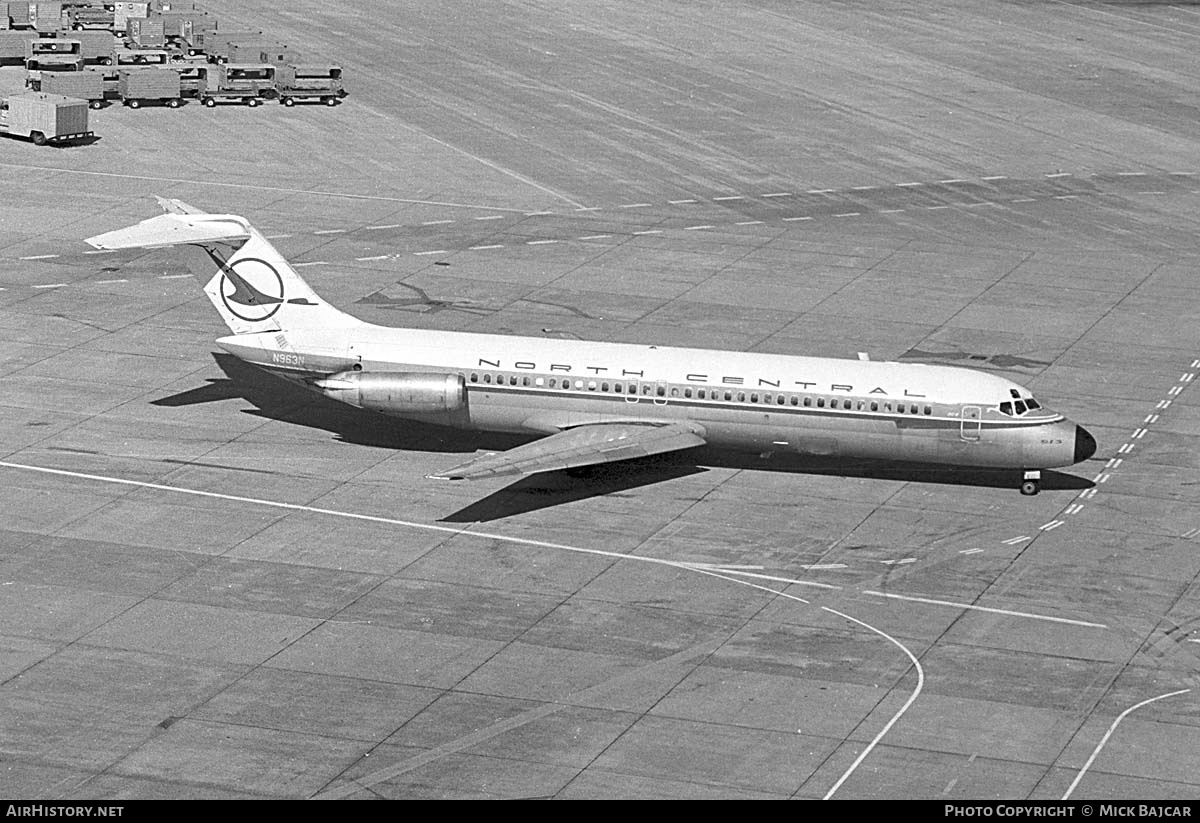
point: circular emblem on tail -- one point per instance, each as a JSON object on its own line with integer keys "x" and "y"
{"x": 251, "y": 289}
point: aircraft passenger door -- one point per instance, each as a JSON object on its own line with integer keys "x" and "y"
{"x": 969, "y": 424}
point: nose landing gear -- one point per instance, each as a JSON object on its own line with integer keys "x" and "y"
{"x": 1032, "y": 483}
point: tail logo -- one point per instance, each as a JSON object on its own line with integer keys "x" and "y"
{"x": 252, "y": 290}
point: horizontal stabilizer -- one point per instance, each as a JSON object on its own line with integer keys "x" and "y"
{"x": 175, "y": 229}
{"x": 581, "y": 446}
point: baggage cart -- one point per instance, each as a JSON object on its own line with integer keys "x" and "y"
{"x": 248, "y": 83}
{"x": 137, "y": 87}
{"x": 312, "y": 81}
{"x": 82, "y": 85}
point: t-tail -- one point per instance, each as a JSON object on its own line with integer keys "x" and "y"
{"x": 254, "y": 288}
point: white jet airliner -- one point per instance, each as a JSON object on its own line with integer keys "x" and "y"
{"x": 596, "y": 402}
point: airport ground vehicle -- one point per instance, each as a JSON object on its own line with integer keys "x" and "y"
{"x": 90, "y": 18}
{"x": 309, "y": 82}
{"x": 83, "y": 85}
{"x": 248, "y": 83}
{"x": 137, "y": 87}
{"x": 44, "y": 118}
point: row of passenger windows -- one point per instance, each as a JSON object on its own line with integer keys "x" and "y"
{"x": 662, "y": 390}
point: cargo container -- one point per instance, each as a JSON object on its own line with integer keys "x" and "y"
{"x": 110, "y": 79}
{"x": 174, "y": 21}
{"x": 219, "y": 46}
{"x": 44, "y": 118}
{"x": 12, "y": 45}
{"x": 83, "y": 85}
{"x": 247, "y": 83}
{"x": 46, "y": 16}
{"x": 53, "y": 54}
{"x": 279, "y": 55}
{"x": 138, "y": 87}
{"x": 96, "y": 46}
{"x": 313, "y": 81}
{"x": 122, "y": 12}
{"x": 144, "y": 33}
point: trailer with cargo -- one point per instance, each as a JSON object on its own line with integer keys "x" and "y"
{"x": 311, "y": 81}
{"x": 44, "y": 118}
{"x": 83, "y": 85}
{"x": 110, "y": 80}
{"x": 139, "y": 58}
{"x": 53, "y": 54}
{"x": 222, "y": 43}
{"x": 137, "y": 87}
{"x": 242, "y": 83}
{"x": 91, "y": 18}
{"x": 123, "y": 12}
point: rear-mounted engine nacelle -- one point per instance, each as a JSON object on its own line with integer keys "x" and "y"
{"x": 398, "y": 393}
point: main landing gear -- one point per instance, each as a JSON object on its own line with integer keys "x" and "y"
{"x": 1032, "y": 483}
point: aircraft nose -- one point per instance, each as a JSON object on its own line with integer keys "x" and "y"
{"x": 1085, "y": 444}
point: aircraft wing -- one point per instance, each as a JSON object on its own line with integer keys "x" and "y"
{"x": 581, "y": 446}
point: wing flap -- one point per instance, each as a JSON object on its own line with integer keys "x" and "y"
{"x": 581, "y": 446}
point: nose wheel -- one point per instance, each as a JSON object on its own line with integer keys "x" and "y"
{"x": 1032, "y": 483}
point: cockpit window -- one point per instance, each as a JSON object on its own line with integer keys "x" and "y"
{"x": 1006, "y": 408}
{"x": 1019, "y": 406}
{"x": 1016, "y": 395}
{"x": 1033, "y": 404}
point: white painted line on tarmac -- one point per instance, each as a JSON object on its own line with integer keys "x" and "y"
{"x": 791, "y": 219}
{"x": 376, "y": 257}
{"x": 112, "y": 251}
{"x": 313, "y": 263}
{"x": 849, "y": 214}
{"x": 634, "y": 205}
{"x": 729, "y": 197}
{"x": 1108, "y": 734}
{"x": 1012, "y": 541}
{"x": 539, "y": 242}
{"x": 749, "y": 223}
{"x": 777, "y": 194}
{"x": 267, "y": 236}
{"x": 398, "y": 225}
{"x": 697, "y": 228}
{"x": 330, "y": 231}
{"x": 173, "y": 276}
{"x": 995, "y": 177}
{"x": 596, "y": 237}
{"x": 39, "y": 257}
{"x": 970, "y": 551}
{"x": 680, "y": 202}
{"x": 118, "y": 280}
{"x": 1053, "y": 524}
{"x": 821, "y": 191}
{"x": 1151, "y": 418}
{"x": 649, "y": 231}
{"x": 50, "y": 286}
{"x": 493, "y": 246}
{"x": 431, "y": 251}
{"x": 972, "y": 607}
{"x": 444, "y": 222}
